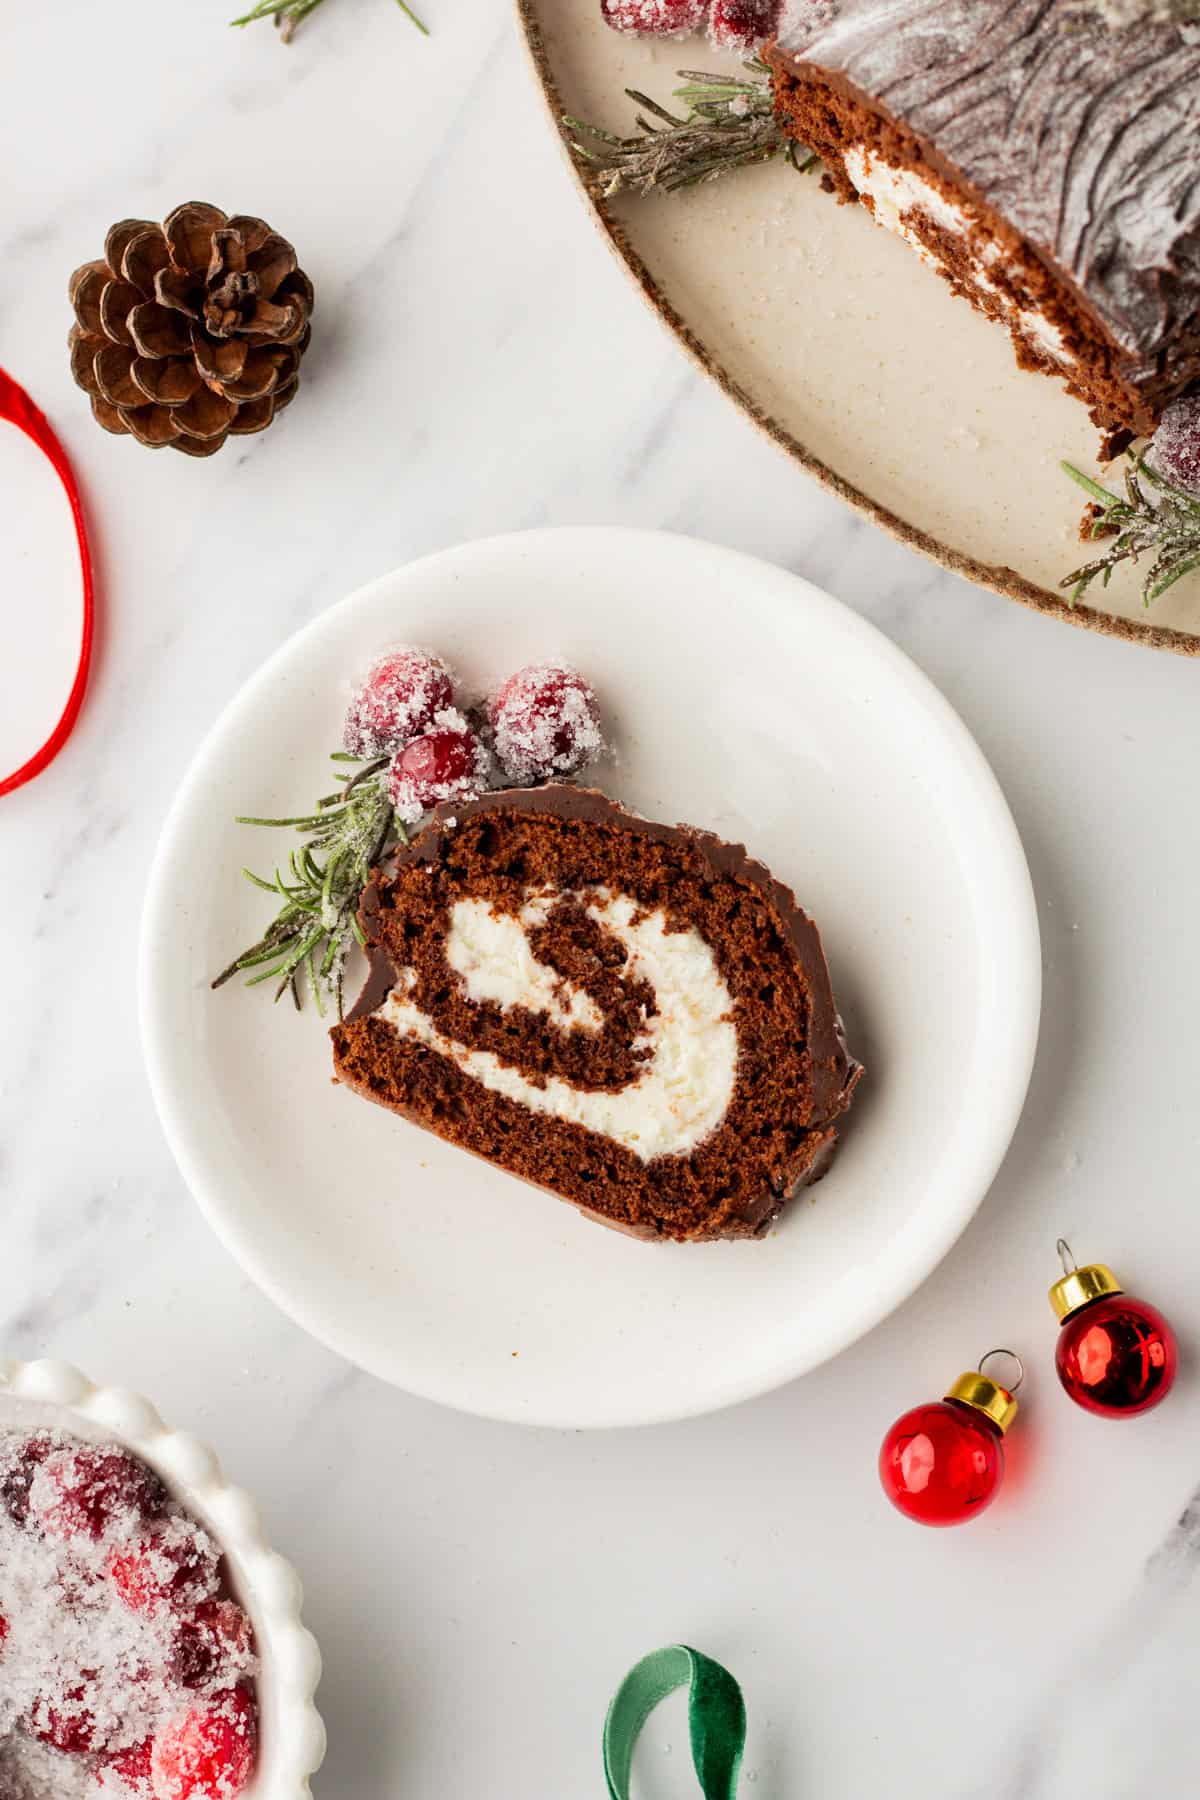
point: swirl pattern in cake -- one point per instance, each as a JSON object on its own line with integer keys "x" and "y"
{"x": 637, "y": 1017}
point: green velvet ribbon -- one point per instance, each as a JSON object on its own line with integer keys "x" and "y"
{"x": 716, "y": 1719}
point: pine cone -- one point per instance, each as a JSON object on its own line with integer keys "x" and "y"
{"x": 190, "y": 330}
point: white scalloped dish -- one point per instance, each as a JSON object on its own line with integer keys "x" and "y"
{"x": 291, "y": 1734}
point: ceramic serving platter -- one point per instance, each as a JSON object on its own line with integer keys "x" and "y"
{"x": 855, "y": 358}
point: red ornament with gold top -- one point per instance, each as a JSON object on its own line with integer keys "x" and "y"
{"x": 943, "y": 1462}
{"x": 1116, "y": 1355}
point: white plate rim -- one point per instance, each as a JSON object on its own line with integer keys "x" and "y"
{"x": 1014, "y": 1055}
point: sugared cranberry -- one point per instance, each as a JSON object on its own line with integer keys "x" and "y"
{"x": 84, "y": 1492}
{"x": 67, "y": 1721}
{"x": 449, "y": 762}
{"x": 216, "y": 1638}
{"x": 1175, "y": 452}
{"x": 20, "y": 1460}
{"x": 163, "y": 1568}
{"x": 206, "y": 1753}
{"x": 127, "y": 1771}
{"x": 545, "y": 721}
{"x": 654, "y": 18}
{"x": 743, "y": 24}
{"x": 403, "y": 690}
{"x": 3, "y": 1630}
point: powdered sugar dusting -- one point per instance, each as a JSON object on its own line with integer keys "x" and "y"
{"x": 113, "y": 1621}
{"x": 1079, "y": 137}
{"x": 799, "y": 19}
{"x": 1119, "y": 14}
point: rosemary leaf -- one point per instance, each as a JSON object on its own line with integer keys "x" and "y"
{"x": 317, "y": 922}
{"x": 728, "y": 124}
{"x": 1164, "y": 526}
{"x": 288, "y": 14}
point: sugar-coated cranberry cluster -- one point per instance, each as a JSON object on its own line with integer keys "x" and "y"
{"x": 126, "y": 1667}
{"x": 732, "y": 24}
{"x": 543, "y": 722}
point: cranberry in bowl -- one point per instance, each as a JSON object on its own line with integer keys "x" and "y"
{"x": 150, "y": 1643}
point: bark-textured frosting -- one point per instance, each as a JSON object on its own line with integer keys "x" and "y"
{"x": 1086, "y": 140}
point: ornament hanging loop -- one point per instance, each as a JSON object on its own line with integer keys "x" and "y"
{"x": 1066, "y": 1256}
{"x": 1012, "y": 1386}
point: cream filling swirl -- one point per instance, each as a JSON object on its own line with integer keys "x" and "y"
{"x": 683, "y": 1090}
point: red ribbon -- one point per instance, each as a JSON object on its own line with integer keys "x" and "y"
{"x": 18, "y": 408}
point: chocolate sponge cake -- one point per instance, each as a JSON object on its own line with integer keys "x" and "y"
{"x": 635, "y": 1016}
{"x": 1045, "y": 164}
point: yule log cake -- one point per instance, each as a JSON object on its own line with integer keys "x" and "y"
{"x": 1047, "y": 164}
{"x": 635, "y": 1016}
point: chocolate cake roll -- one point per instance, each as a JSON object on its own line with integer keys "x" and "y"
{"x": 1047, "y": 165}
{"x": 635, "y": 1016}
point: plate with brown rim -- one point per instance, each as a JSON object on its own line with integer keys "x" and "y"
{"x": 853, "y": 357}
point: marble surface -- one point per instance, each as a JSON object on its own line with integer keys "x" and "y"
{"x": 480, "y": 364}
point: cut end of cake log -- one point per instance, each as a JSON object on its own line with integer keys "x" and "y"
{"x": 1047, "y": 173}
{"x": 634, "y": 1016}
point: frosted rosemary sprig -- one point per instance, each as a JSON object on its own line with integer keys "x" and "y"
{"x": 728, "y": 124}
{"x": 343, "y": 839}
{"x": 288, "y": 14}
{"x": 1165, "y": 526}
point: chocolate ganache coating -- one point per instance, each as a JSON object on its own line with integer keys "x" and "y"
{"x": 1086, "y": 140}
{"x": 489, "y": 1076}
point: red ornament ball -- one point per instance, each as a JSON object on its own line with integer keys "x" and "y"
{"x": 1116, "y": 1356}
{"x": 448, "y": 762}
{"x": 545, "y": 721}
{"x": 942, "y": 1463}
{"x": 403, "y": 690}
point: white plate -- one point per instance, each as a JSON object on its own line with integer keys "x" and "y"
{"x": 742, "y": 699}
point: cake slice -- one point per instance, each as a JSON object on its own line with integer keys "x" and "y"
{"x": 635, "y": 1016}
{"x": 1046, "y": 165}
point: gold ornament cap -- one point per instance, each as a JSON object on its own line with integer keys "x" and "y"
{"x": 985, "y": 1396}
{"x": 1079, "y": 1287}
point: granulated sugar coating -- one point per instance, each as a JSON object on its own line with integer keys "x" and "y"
{"x": 742, "y": 24}
{"x": 732, "y": 24}
{"x": 125, "y": 1667}
{"x": 396, "y": 701}
{"x": 545, "y": 721}
{"x": 1175, "y": 452}
{"x": 655, "y": 18}
{"x": 450, "y": 761}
